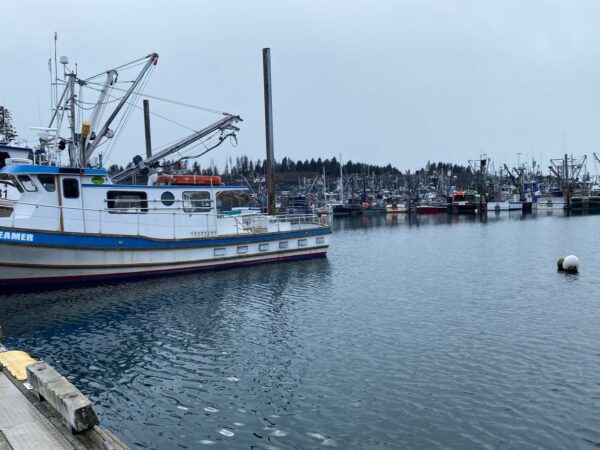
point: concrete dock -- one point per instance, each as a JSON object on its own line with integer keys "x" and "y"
{"x": 40, "y": 409}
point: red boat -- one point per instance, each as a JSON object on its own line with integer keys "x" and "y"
{"x": 431, "y": 209}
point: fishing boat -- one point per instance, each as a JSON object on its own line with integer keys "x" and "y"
{"x": 550, "y": 203}
{"x": 582, "y": 203}
{"x": 298, "y": 205}
{"x": 74, "y": 224}
{"x": 434, "y": 203}
{"x": 465, "y": 202}
{"x": 347, "y": 209}
{"x": 373, "y": 208}
{"x": 396, "y": 207}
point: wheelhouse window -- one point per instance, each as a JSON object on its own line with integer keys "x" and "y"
{"x": 70, "y": 187}
{"x": 126, "y": 202}
{"x": 47, "y": 182}
{"x": 196, "y": 201}
{"x": 27, "y": 183}
{"x": 9, "y": 180}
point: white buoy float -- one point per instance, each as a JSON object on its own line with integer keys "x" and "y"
{"x": 571, "y": 264}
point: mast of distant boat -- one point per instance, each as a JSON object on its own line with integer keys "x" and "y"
{"x": 341, "y": 181}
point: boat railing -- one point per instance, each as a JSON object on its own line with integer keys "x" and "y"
{"x": 169, "y": 222}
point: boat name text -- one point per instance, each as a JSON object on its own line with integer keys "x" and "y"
{"x": 12, "y": 236}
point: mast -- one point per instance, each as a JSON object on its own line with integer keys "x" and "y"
{"x": 71, "y": 109}
{"x": 324, "y": 187}
{"x": 104, "y": 131}
{"x": 111, "y": 78}
{"x": 341, "y": 181}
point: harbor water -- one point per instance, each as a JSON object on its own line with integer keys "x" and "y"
{"x": 415, "y": 332}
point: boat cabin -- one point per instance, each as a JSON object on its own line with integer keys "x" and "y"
{"x": 86, "y": 200}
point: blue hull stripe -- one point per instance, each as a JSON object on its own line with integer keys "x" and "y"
{"x": 72, "y": 240}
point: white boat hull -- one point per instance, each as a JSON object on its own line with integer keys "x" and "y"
{"x": 396, "y": 209}
{"x": 550, "y": 204}
{"x": 507, "y": 205}
{"x": 30, "y": 258}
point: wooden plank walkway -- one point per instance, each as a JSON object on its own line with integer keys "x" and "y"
{"x": 22, "y": 425}
{"x": 29, "y": 423}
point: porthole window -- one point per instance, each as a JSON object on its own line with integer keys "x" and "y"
{"x": 167, "y": 198}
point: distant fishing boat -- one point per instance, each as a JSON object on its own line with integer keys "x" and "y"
{"x": 373, "y": 208}
{"x": 298, "y": 205}
{"x": 585, "y": 203}
{"x": 465, "y": 202}
{"x": 348, "y": 209}
{"x": 550, "y": 203}
{"x": 396, "y": 205}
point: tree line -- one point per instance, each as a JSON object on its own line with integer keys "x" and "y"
{"x": 244, "y": 167}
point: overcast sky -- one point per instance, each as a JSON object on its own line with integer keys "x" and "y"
{"x": 379, "y": 81}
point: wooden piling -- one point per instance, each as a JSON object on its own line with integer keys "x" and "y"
{"x": 269, "y": 170}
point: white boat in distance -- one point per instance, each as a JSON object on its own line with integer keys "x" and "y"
{"x": 73, "y": 224}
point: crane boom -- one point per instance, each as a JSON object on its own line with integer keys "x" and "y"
{"x": 227, "y": 123}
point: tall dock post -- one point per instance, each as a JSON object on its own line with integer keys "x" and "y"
{"x": 269, "y": 170}
{"x": 147, "y": 128}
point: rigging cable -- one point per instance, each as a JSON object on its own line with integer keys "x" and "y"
{"x": 126, "y": 66}
{"x": 174, "y": 102}
{"x": 152, "y": 113}
{"x": 127, "y": 115}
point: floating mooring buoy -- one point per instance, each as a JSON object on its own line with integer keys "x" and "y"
{"x": 571, "y": 264}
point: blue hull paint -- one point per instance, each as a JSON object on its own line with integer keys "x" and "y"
{"x": 42, "y": 284}
{"x": 71, "y": 240}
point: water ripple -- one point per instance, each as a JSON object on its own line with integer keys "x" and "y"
{"x": 414, "y": 333}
